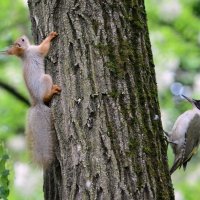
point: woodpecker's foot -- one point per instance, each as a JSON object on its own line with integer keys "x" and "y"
{"x": 166, "y": 137}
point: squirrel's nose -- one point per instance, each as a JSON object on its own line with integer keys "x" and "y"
{"x": 9, "y": 51}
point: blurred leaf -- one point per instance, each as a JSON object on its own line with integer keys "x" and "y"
{"x": 4, "y": 183}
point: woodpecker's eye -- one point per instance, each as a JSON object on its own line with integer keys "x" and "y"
{"x": 22, "y": 39}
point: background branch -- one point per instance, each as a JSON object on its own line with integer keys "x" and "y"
{"x": 14, "y": 92}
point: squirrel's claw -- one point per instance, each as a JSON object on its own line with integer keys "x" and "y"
{"x": 56, "y": 89}
{"x": 53, "y": 34}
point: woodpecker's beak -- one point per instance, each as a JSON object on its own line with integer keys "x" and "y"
{"x": 192, "y": 101}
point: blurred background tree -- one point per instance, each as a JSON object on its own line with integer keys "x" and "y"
{"x": 174, "y": 27}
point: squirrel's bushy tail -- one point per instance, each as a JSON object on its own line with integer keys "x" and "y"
{"x": 39, "y": 133}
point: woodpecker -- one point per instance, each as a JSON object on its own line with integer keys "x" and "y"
{"x": 185, "y": 135}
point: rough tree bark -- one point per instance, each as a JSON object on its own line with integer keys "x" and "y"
{"x": 110, "y": 143}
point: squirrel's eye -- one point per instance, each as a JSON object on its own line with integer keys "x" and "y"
{"x": 22, "y": 40}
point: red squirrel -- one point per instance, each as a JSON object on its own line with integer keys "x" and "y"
{"x": 41, "y": 90}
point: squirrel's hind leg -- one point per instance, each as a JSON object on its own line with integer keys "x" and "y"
{"x": 54, "y": 90}
{"x": 49, "y": 89}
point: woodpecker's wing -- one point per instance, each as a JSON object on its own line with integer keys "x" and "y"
{"x": 192, "y": 139}
{"x": 189, "y": 147}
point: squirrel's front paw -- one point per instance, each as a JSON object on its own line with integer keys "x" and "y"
{"x": 53, "y": 34}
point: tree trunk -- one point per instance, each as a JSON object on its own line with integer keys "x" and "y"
{"x": 110, "y": 142}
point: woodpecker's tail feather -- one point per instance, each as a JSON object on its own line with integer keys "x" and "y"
{"x": 179, "y": 160}
{"x": 39, "y": 134}
{"x": 177, "y": 163}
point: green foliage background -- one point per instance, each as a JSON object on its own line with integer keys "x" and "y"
{"x": 4, "y": 172}
{"x": 175, "y": 38}
{"x": 25, "y": 181}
